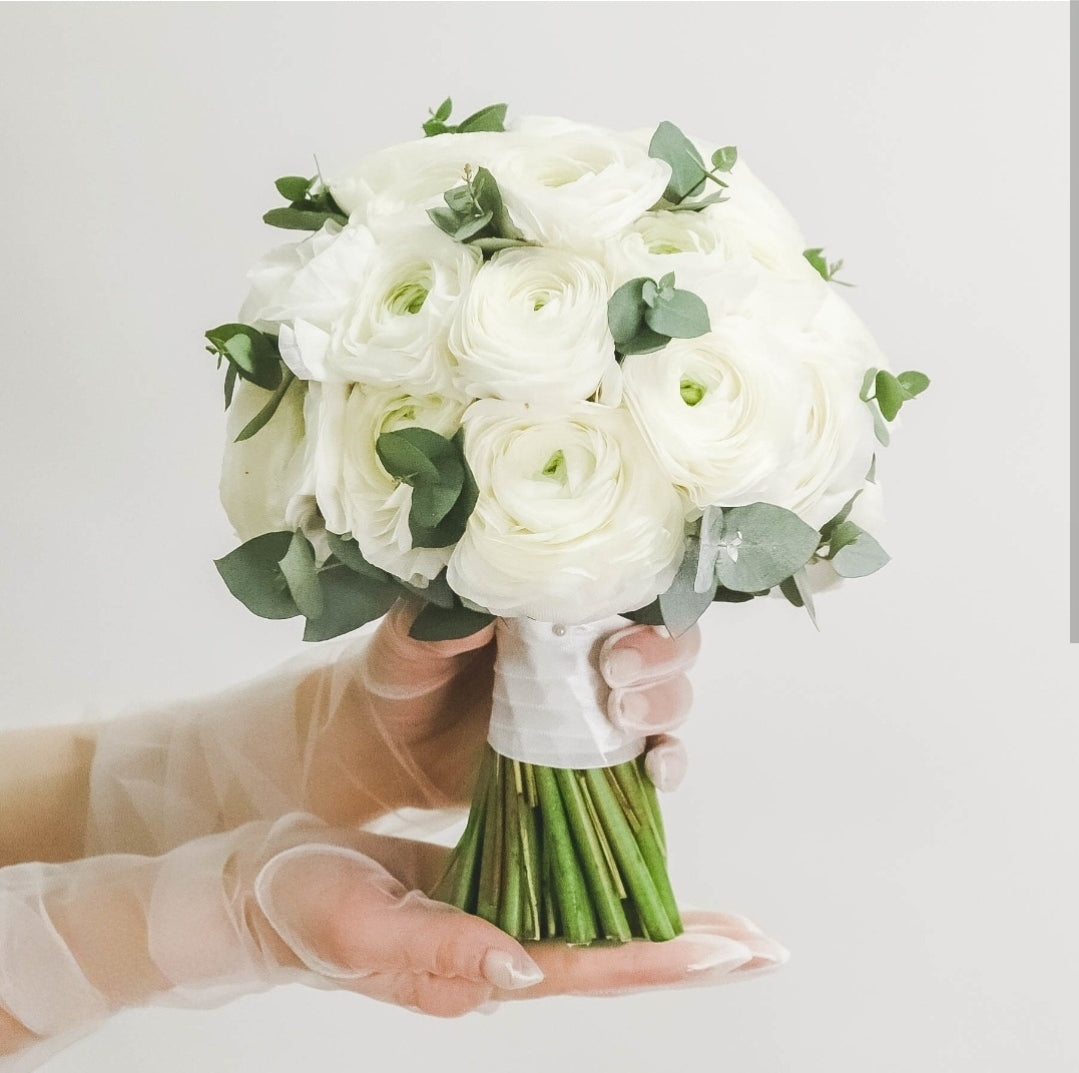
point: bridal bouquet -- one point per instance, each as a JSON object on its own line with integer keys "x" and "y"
{"x": 560, "y": 377}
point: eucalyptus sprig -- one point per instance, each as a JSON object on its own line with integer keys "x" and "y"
{"x": 277, "y": 575}
{"x": 889, "y": 393}
{"x": 443, "y": 489}
{"x": 310, "y": 205}
{"x": 827, "y": 269}
{"x": 491, "y": 118}
{"x": 689, "y": 173}
{"x": 254, "y": 356}
{"x": 645, "y": 315}
{"x": 476, "y": 214}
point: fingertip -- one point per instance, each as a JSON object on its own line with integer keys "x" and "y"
{"x": 510, "y": 970}
{"x": 666, "y": 763}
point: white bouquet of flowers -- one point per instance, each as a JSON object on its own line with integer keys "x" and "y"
{"x": 556, "y": 376}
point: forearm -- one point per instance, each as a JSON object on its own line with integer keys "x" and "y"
{"x": 44, "y": 792}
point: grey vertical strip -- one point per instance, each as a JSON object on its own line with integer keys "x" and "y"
{"x": 1073, "y": 573}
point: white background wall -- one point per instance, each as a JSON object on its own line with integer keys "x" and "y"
{"x": 893, "y": 796}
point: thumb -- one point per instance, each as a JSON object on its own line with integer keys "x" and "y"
{"x": 345, "y": 917}
{"x": 398, "y": 666}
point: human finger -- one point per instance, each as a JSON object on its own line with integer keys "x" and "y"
{"x": 397, "y": 666}
{"x": 637, "y": 655}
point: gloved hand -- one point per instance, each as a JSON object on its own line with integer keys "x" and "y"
{"x": 349, "y": 733}
{"x": 235, "y": 820}
{"x": 295, "y": 900}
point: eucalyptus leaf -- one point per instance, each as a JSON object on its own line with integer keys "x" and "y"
{"x": 293, "y": 187}
{"x": 451, "y": 528}
{"x": 291, "y": 219}
{"x": 347, "y": 551}
{"x": 724, "y": 159}
{"x": 826, "y": 270}
{"x": 444, "y": 491}
{"x": 868, "y": 382}
{"x": 252, "y": 574}
{"x": 272, "y": 403}
{"x": 797, "y": 591}
{"x": 880, "y": 426}
{"x": 493, "y": 245}
{"x": 890, "y": 394}
{"x": 729, "y": 596}
{"x": 253, "y": 354}
{"x": 437, "y": 591}
{"x": 491, "y": 118}
{"x": 913, "y": 382}
{"x": 409, "y": 454}
{"x": 432, "y": 502}
{"x": 681, "y": 605}
{"x": 472, "y": 226}
{"x": 649, "y": 615}
{"x": 683, "y": 315}
{"x": 436, "y": 623}
{"x": 349, "y": 601}
{"x": 230, "y": 384}
{"x": 688, "y": 172}
{"x": 625, "y": 310}
{"x": 699, "y": 203}
{"x": 854, "y": 553}
{"x": 301, "y": 575}
{"x": 645, "y": 341}
{"x": 836, "y": 520}
{"x": 761, "y": 545}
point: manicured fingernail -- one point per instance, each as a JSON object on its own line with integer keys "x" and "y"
{"x": 488, "y": 1008}
{"x": 768, "y": 949}
{"x": 510, "y": 972}
{"x": 716, "y": 952}
{"x": 666, "y": 768}
{"x": 622, "y": 666}
{"x": 634, "y": 710}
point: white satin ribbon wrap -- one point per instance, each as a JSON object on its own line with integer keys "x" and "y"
{"x": 550, "y": 699}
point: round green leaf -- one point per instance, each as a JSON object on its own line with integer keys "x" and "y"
{"x": 254, "y": 577}
{"x": 761, "y": 545}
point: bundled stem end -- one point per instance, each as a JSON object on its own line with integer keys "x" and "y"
{"x": 557, "y": 853}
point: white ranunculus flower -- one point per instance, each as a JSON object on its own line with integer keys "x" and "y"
{"x": 751, "y": 231}
{"x": 312, "y": 281}
{"x": 261, "y": 476}
{"x": 533, "y": 326}
{"x": 372, "y": 505}
{"x": 844, "y": 337}
{"x": 572, "y": 185}
{"x": 754, "y": 226}
{"x": 403, "y": 181}
{"x": 394, "y": 330}
{"x": 574, "y": 520}
{"x": 834, "y": 441}
{"x": 719, "y": 411}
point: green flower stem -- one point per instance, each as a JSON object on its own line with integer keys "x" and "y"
{"x": 510, "y": 905}
{"x": 571, "y": 894}
{"x": 629, "y": 779}
{"x": 576, "y": 855}
{"x": 648, "y": 788}
{"x": 530, "y": 855}
{"x": 458, "y": 884}
{"x": 598, "y": 876}
{"x": 604, "y": 791}
{"x": 490, "y": 865}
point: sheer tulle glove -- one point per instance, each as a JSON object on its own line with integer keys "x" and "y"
{"x": 295, "y": 900}
{"x": 349, "y": 732}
